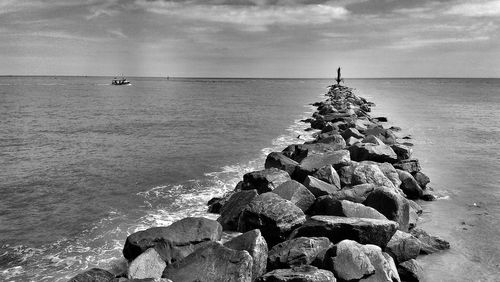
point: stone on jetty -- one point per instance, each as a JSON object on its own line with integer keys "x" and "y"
{"x": 429, "y": 244}
{"x": 385, "y": 268}
{"x": 147, "y": 265}
{"x": 296, "y": 193}
{"x": 264, "y": 180}
{"x": 351, "y": 262}
{"x": 385, "y": 135}
{"x": 93, "y": 275}
{"x": 304, "y": 273}
{"x": 329, "y": 175}
{"x": 362, "y": 230}
{"x": 312, "y": 163}
{"x": 319, "y": 188}
{"x": 212, "y": 262}
{"x": 356, "y": 194}
{"x": 230, "y": 212}
{"x": 352, "y": 132}
{"x": 173, "y": 242}
{"x": 273, "y": 215}
{"x": 141, "y": 280}
{"x": 298, "y": 152}
{"x": 349, "y": 209}
{"x": 403, "y": 246}
{"x": 392, "y": 205}
{"x": 403, "y": 152}
{"x": 422, "y": 179}
{"x": 412, "y": 165}
{"x": 372, "y": 152}
{"x": 280, "y": 161}
{"x": 409, "y": 185}
{"x": 368, "y": 172}
{"x": 252, "y": 242}
{"x": 298, "y": 251}
{"x": 351, "y": 141}
{"x": 411, "y": 271}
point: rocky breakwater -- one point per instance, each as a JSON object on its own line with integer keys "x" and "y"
{"x": 342, "y": 207}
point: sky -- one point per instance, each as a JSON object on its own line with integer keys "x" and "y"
{"x": 251, "y": 38}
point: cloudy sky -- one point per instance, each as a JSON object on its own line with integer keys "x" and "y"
{"x": 251, "y": 38}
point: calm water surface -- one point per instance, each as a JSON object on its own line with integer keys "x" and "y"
{"x": 84, "y": 163}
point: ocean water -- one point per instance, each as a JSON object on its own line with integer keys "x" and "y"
{"x": 84, "y": 164}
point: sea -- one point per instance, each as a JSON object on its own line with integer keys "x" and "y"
{"x": 83, "y": 164}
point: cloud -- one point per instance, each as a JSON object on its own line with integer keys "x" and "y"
{"x": 478, "y": 9}
{"x": 257, "y": 15}
{"x": 412, "y": 43}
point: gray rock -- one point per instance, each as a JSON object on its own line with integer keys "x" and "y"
{"x": 264, "y": 180}
{"x": 409, "y": 185}
{"x": 429, "y": 244}
{"x": 252, "y": 242}
{"x": 351, "y": 141}
{"x": 296, "y": 193}
{"x": 385, "y": 135}
{"x": 212, "y": 262}
{"x": 391, "y": 205}
{"x": 422, "y": 179}
{"x": 335, "y": 228}
{"x": 329, "y": 175}
{"x": 403, "y": 246}
{"x": 273, "y": 215}
{"x": 93, "y": 275}
{"x": 298, "y": 152}
{"x": 122, "y": 279}
{"x": 389, "y": 171}
{"x": 352, "y": 132}
{"x": 280, "y": 161}
{"x": 351, "y": 262}
{"x": 312, "y": 163}
{"x": 149, "y": 264}
{"x": 372, "y": 152}
{"x": 173, "y": 242}
{"x": 347, "y": 209}
{"x": 333, "y": 139}
{"x": 367, "y": 172}
{"x": 411, "y": 271}
{"x": 230, "y": 212}
{"x": 385, "y": 268}
{"x": 298, "y": 251}
{"x": 319, "y": 188}
{"x": 403, "y": 152}
{"x": 304, "y": 273}
{"x": 412, "y": 165}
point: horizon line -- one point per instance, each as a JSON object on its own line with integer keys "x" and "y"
{"x": 243, "y": 77}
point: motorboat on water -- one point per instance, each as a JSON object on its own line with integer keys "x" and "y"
{"x": 120, "y": 81}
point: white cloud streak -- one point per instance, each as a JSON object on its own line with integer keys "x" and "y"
{"x": 477, "y": 9}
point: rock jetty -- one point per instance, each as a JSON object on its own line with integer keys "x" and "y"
{"x": 341, "y": 207}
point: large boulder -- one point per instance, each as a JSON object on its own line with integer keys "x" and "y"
{"x": 352, "y": 132}
{"x": 298, "y": 251}
{"x": 329, "y": 175}
{"x": 411, "y": 271}
{"x": 385, "y": 135}
{"x": 264, "y": 180}
{"x": 385, "y": 268}
{"x": 392, "y": 205}
{"x": 347, "y": 209}
{"x": 367, "y": 172}
{"x": 252, "y": 242}
{"x": 351, "y": 262}
{"x": 280, "y": 161}
{"x": 303, "y": 273}
{"x": 296, "y": 193}
{"x": 335, "y": 228}
{"x": 147, "y": 265}
{"x": 421, "y": 179}
{"x": 173, "y": 242}
{"x": 389, "y": 171}
{"x": 429, "y": 244}
{"x": 273, "y": 215}
{"x": 319, "y": 188}
{"x": 372, "y": 152}
{"x": 402, "y": 151}
{"x": 230, "y": 212}
{"x": 333, "y": 138}
{"x": 312, "y": 163}
{"x": 212, "y": 262}
{"x": 298, "y": 152}
{"x": 356, "y": 194}
{"x": 403, "y": 246}
{"x": 409, "y": 185}
{"x": 412, "y": 165}
{"x": 93, "y": 275}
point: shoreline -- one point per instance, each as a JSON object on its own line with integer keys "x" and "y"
{"x": 336, "y": 162}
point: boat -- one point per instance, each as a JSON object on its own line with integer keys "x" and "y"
{"x": 120, "y": 81}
